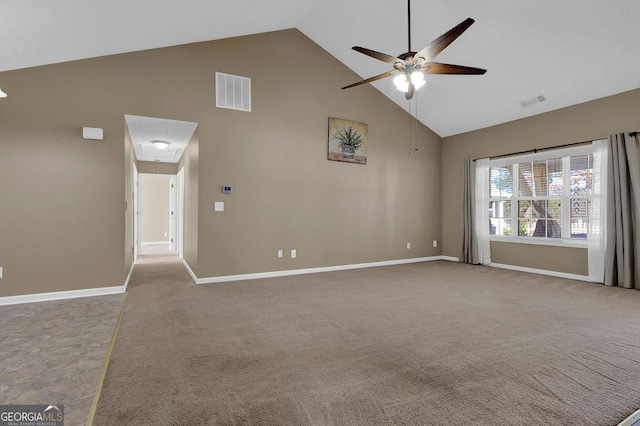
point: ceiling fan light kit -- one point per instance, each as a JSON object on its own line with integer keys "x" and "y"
{"x": 401, "y": 81}
{"x": 410, "y": 68}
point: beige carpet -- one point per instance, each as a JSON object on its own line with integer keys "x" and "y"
{"x": 435, "y": 343}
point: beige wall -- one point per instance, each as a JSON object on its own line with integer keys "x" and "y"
{"x": 62, "y": 225}
{"x": 189, "y": 163}
{"x": 61, "y": 215}
{"x": 287, "y": 195}
{"x": 154, "y": 207}
{"x": 587, "y": 121}
{"x": 157, "y": 167}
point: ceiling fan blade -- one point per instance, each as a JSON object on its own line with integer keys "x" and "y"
{"x": 438, "y": 68}
{"x": 439, "y": 44}
{"x": 409, "y": 93}
{"x": 379, "y": 56}
{"x": 374, "y": 78}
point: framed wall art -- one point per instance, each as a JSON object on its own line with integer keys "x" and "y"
{"x": 347, "y": 141}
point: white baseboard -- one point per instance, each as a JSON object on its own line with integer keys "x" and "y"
{"x": 529, "y": 270}
{"x": 70, "y": 294}
{"x": 631, "y": 420}
{"x": 541, "y": 272}
{"x": 273, "y": 274}
{"x": 60, "y": 295}
{"x": 126, "y": 282}
{"x": 193, "y": 276}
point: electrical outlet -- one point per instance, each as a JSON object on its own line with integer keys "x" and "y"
{"x": 408, "y": 245}
{"x": 279, "y": 253}
{"x": 294, "y": 254}
{"x": 435, "y": 243}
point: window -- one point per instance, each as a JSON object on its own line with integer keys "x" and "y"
{"x": 536, "y": 198}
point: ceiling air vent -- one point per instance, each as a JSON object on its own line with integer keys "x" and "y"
{"x": 529, "y": 102}
{"x": 233, "y": 92}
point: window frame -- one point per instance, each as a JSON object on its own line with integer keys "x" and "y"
{"x": 565, "y": 154}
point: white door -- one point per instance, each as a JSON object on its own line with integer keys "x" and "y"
{"x": 173, "y": 207}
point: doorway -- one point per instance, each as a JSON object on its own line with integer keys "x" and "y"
{"x": 159, "y": 182}
{"x": 157, "y": 218}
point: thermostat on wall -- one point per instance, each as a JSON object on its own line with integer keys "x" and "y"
{"x": 227, "y": 190}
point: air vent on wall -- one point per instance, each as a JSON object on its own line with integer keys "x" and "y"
{"x": 528, "y": 102}
{"x": 233, "y": 92}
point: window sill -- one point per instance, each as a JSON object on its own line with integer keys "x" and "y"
{"x": 541, "y": 241}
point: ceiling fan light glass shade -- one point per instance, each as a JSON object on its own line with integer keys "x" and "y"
{"x": 160, "y": 144}
{"x": 417, "y": 78}
{"x": 401, "y": 82}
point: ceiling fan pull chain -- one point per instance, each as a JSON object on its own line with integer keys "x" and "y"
{"x": 416, "y": 123}
{"x": 413, "y": 146}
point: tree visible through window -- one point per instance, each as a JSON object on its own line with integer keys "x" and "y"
{"x": 547, "y": 198}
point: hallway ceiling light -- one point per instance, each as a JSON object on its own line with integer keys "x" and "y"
{"x": 160, "y": 144}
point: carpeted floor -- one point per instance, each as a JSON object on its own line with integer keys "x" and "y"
{"x": 435, "y": 343}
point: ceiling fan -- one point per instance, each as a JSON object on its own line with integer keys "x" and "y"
{"x": 410, "y": 68}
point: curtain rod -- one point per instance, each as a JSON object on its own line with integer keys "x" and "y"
{"x": 533, "y": 150}
{"x": 632, "y": 134}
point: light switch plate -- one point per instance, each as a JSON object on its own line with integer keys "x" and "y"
{"x": 218, "y": 206}
{"x": 0, "y": 271}
{"x": 294, "y": 254}
{"x": 279, "y": 253}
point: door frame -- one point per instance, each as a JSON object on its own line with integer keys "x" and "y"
{"x": 173, "y": 241}
{"x": 180, "y": 212}
{"x": 136, "y": 212}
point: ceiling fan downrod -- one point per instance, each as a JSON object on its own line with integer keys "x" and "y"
{"x": 409, "y": 25}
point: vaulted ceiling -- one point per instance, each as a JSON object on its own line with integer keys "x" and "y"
{"x": 569, "y": 51}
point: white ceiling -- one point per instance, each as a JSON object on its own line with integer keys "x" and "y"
{"x": 570, "y": 51}
{"x": 143, "y": 130}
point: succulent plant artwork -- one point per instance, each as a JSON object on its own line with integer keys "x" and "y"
{"x": 347, "y": 141}
{"x": 349, "y": 138}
